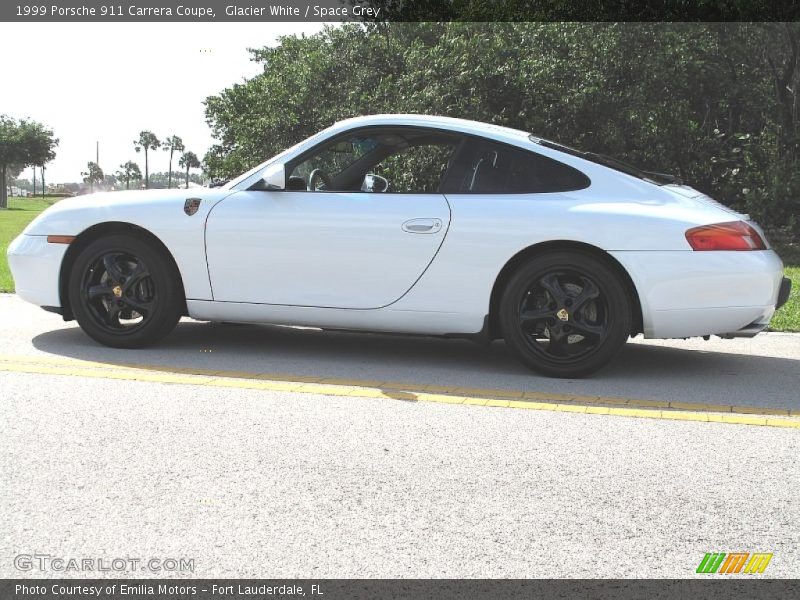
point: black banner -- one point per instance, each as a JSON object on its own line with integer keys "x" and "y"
{"x": 731, "y": 588}
{"x": 397, "y": 10}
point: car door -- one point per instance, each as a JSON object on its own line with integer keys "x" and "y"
{"x": 330, "y": 245}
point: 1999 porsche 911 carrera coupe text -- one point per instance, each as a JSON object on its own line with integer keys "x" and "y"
{"x": 423, "y": 225}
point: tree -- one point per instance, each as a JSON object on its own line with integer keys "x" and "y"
{"x": 147, "y": 141}
{"x": 128, "y": 172}
{"x": 93, "y": 174}
{"x": 23, "y": 143}
{"x": 188, "y": 161}
{"x": 109, "y": 181}
{"x": 552, "y": 10}
{"x": 783, "y": 57}
{"x": 160, "y": 179}
{"x": 716, "y": 103}
{"x": 172, "y": 144}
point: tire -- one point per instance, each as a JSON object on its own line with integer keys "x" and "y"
{"x": 125, "y": 292}
{"x": 565, "y": 314}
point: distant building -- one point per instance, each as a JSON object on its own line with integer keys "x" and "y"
{"x": 19, "y": 192}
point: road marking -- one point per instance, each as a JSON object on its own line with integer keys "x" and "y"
{"x": 529, "y": 400}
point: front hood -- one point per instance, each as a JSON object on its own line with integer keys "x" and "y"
{"x": 143, "y": 197}
{"x": 71, "y": 215}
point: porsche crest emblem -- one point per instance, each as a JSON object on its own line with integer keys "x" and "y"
{"x": 191, "y": 205}
{"x": 563, "y": 314}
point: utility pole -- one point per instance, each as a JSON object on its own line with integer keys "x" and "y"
{"x": 97, "y": 154}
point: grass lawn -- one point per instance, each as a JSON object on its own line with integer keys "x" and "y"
{"x": 788, "y": 317}
{"x": 21, "y": 211}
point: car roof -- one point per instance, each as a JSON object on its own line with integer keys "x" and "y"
{"x": 487, "y": 130}
{"x": 499, "y": 133}
{"x": 437, "y": 122}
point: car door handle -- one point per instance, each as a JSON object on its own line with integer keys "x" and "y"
{"x": 422, "y": 226}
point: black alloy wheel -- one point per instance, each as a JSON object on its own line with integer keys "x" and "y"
{"x": 565, "y": 314}
{"x": 119, "y": 292}
{"x": 124, "y": 292}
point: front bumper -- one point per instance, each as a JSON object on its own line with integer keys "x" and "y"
{"x": 35, "y": 265}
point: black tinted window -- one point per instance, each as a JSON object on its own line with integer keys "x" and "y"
{"x": 410, "y": 160}
{"x": 416, "y": 169}
{"x": 494, "y": 168}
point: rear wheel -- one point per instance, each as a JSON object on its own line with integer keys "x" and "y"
{"x": 124, "y": 292}
{"x": 565, "y": 314}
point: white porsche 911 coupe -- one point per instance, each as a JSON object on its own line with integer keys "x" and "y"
{"x": 413, "y": 224}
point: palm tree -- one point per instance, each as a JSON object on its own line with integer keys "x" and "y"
{"x": 171, "y": 145}
{"x": 92, "y": 175}
{"x": 128, "y": 171}
{"x": 188, "y": 161}
{"x": 147, "y": 141}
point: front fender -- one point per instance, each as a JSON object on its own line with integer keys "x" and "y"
{"x": 159, "y": 212}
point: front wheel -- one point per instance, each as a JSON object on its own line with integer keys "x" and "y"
{"x": 124, "y": 292}
{"x": 565, "y": 314}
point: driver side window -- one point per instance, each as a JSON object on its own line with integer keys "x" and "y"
{"x": 405, "y": 160}
{"x": 417, "y": 169}
{"x": 329, "y": 163}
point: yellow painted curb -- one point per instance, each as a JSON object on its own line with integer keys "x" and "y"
{"x": 528, "y": 400}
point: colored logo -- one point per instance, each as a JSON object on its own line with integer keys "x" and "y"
{"x": 191, "y": 205}
{"x": 734, "y": 562}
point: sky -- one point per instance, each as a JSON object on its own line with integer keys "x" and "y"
{"x": 101, "y": 82}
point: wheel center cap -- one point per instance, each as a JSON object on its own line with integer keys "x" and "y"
{"x": 117, "y": 291}
{"x": 563, "y": 314}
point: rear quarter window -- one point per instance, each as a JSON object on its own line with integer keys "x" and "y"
{"x": 496, "y": 168}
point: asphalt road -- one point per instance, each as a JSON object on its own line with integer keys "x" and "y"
{"x": 263, "y": 482}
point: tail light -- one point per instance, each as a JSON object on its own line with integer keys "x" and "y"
{"x": 736, "y": 235}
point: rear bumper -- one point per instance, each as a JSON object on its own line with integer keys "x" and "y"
{"x": 762, "y": 323}
{"x": 35, "y": 265}
{"x": 686, "y": 293}
{"x": 783, "y": 293}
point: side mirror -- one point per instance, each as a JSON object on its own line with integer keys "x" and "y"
{"x": 374, "y": 183}
{"x": 274, "y": 177}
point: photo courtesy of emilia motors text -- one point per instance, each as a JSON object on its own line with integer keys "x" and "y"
{"x": 399, "y": 299}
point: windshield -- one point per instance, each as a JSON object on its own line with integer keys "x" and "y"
{"x": 608, "y": 161}
{"x": 244, "y": 176}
